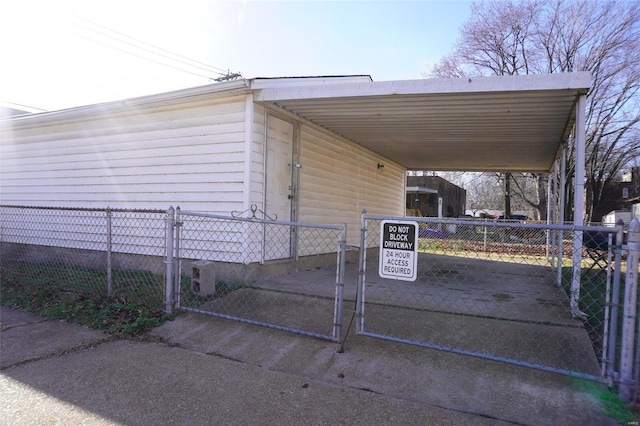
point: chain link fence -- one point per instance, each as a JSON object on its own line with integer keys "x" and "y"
{"x": 500, "y": 290}
{"x": 94, "y": 253}
{"x": 283, "y": 275}
{"x": 232, "y": 267}
{"x": 513, "y": 292}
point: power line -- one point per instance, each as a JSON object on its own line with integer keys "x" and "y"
{"x": 183, "y": 59}
{"x": 141, "y": 57}
{"x": 13, "y": 104}
{"x": 199, "y": 65}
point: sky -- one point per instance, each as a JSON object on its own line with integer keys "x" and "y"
{"x": 65, "y": 53}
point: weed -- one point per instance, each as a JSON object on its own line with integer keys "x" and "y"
{"x": 79, "y": 295}
{"x": 591, "y": 302}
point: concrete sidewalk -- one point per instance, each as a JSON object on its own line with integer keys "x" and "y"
{"x": 203, "y": 370}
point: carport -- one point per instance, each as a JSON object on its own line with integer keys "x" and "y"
{"x": 500, "y": 124}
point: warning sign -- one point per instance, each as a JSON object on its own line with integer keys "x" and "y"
{"x": 398, "y": 250}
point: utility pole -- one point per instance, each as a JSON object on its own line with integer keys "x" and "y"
{"x": 228, "y": 76}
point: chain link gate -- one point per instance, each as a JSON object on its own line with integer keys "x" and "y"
{"x": 283, "y": 275}
{"x": 497, "y": 290}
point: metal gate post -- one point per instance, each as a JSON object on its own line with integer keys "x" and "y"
{"x": 177, "y": 261}
{"x": 627, "y": 385}
{"x": 109, "y": 251}
{"x": 614, "y": 303}
{"x": 362, "y": 261}
{"x": 484, "y": 246}
{"x": 575, "y": 276}
{"x": 337, "y": 312}
{"x": 168, "y": 296}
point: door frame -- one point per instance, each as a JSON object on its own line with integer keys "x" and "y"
{"x": 295, "y": 177}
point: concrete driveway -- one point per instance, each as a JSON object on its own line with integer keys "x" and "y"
{"x": 204, "y": 370}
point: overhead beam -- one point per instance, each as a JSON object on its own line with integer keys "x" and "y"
{"x": 519, "y": 83}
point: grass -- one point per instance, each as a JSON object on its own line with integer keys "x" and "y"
{"x": 80, "y": 295}
{"x": 593, "y": 288}
{"x": 504, "y": 252}
{"x": 614, "y": 406}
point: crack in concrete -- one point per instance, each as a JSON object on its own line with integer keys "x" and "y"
{"x": 61, "y": 352}
{"x": 10, "y": 327}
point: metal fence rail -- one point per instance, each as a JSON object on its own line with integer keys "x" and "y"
{"x": 238, "y": 268}
{"x": 96, "y": 252}
{"x": 501, "y": 291}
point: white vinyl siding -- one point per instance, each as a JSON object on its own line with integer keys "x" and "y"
{"x": 339, "y": 178}
{"x": 131, "y": 232}
{"x": 190, "y": 155}
{"x": 257, "y": 156}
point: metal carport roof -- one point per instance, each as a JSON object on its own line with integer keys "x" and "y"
{"x": 506, "y": 123}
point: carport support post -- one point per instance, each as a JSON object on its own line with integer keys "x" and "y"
{"x": 578, "y": 206}
{"x": 168, "y": 301}
{"x": 627, "y": 384}
{"x": 560, "y": 233}
{"x": 552, "y": 218}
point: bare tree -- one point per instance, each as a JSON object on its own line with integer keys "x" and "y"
{"x": 550, "y": 36}
{"x": 486, "y": 190}
{"x": 531, "y": 191}
{"x": 483, "y": 192}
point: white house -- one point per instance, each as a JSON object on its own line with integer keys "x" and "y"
{"x": 612, "y": 218}
{"x": 315, "y": 149}
{"x": 211, "y": 148}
